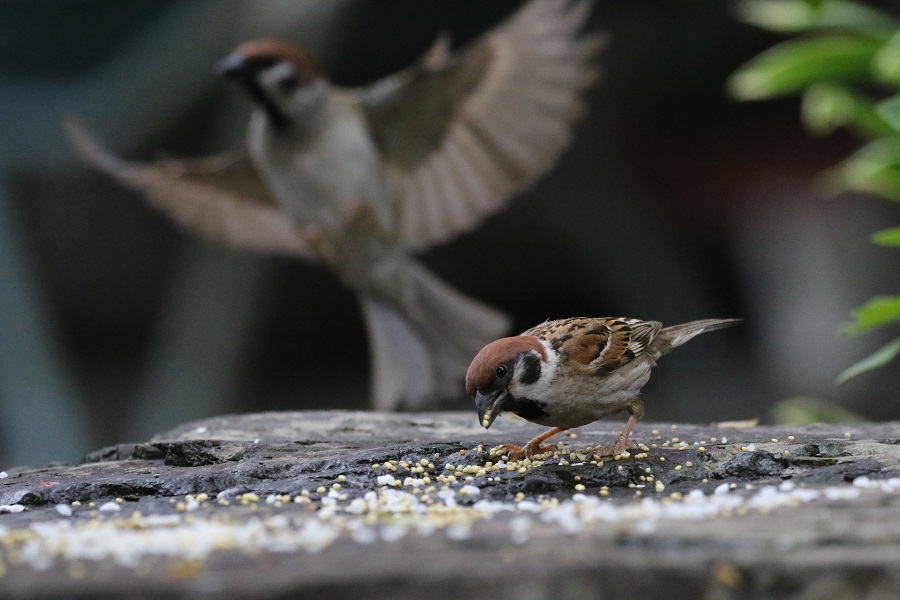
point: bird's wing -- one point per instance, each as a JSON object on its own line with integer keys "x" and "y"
{"x": 219, "y": 197}
{"x": 461, "y": 135}
{"x": 600, "y": 345}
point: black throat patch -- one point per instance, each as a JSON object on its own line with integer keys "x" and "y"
{"x": 530, "y": 410}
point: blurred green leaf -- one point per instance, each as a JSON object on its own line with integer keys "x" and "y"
{"x": 877, "y": 359}
{"x": 887, "y": 237}
{"x": 793, "y": 16}
{"x": 874, "y": 169}
{"x": 878, "y": 311}
{"x": 802, "y": 411}
{"x": 827, "y": 106}
{"x": 793, "y": 65}
{"x": 889, "y": 110}
{"x": 886, "y": 63}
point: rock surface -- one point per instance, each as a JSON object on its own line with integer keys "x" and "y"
{"x": 344, "y": 504}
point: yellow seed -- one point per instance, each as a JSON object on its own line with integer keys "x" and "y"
{"x": 342, "y": 478}
{"x": 335, "y": 486}
{"x": 578, "y": 478}
{"x": 774, "y": 440}
{"x": 660, "y": 488}
{"x": 119, "y": 501}
{"x": 76, "y": 503}
{"x": 321, "y": 489}
{"x": 604, "y": 492}
{"x": 579, "y": 488}
{"x": 678, "y": 467}
{"x": 375, "y": 465}
{"x": 662, "y": 459}
{"x": 713, "y": 440}
{"x": 786, "y": 453}
{"x": 522, "y": 469}
{"x": 701, "y": 449}
{"x": 688, "y": 464}
{"x": 790, "y": 438}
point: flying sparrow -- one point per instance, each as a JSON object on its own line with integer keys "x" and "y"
{"x": 359, "y": 179}
{"x": 572, "y": 372}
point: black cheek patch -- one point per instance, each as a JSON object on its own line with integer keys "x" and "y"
{"x": 532, "y": 372}
{"x": 530, "y": 410}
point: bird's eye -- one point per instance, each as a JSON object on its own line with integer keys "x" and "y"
{"x": 502, "y": 371}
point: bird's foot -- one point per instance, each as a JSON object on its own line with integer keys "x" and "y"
{"x": 513, "y": 452}
{"x": 621, "y": 445}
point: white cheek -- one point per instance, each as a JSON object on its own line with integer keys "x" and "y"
{"x": 543, "y": 386}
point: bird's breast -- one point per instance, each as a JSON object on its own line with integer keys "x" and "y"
{"x": 321, "y": 174}
{"x": 576, "y": 399}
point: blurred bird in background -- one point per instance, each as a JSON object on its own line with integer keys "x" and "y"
{"x": 359, "y": 179}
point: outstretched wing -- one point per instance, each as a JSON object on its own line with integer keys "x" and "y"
{"x": 219, "y": 197}
{"x": 461, "y": 135}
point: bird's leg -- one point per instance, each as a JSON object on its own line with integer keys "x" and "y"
{"x": 533, "y": 447}
{"x": 635, "y": 412}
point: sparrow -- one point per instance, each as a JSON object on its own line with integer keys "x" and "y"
{"x": 360, "y": 179}
{"x": 571, "y": 372}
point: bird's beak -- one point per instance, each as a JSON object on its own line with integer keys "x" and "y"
{"x": 489, "y": 406}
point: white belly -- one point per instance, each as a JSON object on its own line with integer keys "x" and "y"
{"x": 321, "y": 175}
{"x": 575, "y": 401}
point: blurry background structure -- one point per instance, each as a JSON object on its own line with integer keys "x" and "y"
{"x": 675, "y": 203}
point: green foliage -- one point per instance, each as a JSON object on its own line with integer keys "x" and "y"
{"x": 877, "y": 359}
{"x": 845, "y": 62}
{"x": 800, "y": 411}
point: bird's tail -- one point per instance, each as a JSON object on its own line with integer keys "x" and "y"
{"x": 423, "y": 336}
{"x": 671, "y": 337}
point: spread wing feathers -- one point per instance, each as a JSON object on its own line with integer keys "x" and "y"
{"x": 219, "y": 197}
{"x": 601, "y": 345}
{"x": 461, "y": 135}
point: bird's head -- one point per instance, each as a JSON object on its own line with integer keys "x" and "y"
{"x": 501, "y": 371}
{"x": 281, "y": 78}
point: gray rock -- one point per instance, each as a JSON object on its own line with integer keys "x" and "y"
{"x": 276, "y": 505}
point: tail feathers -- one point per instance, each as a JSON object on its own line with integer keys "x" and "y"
{"x": 670, "y": 338}
{"x": 423, "y": 340}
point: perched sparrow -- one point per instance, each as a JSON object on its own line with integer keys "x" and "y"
{"x": 358, "y": 179}
{"x": 572, "y": 372}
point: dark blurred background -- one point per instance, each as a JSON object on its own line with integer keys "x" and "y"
{"x": 674, "y": 203}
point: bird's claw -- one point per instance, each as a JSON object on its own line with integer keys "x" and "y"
{"x": 513, "y": 452}
{"x": 616, "y": 449}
